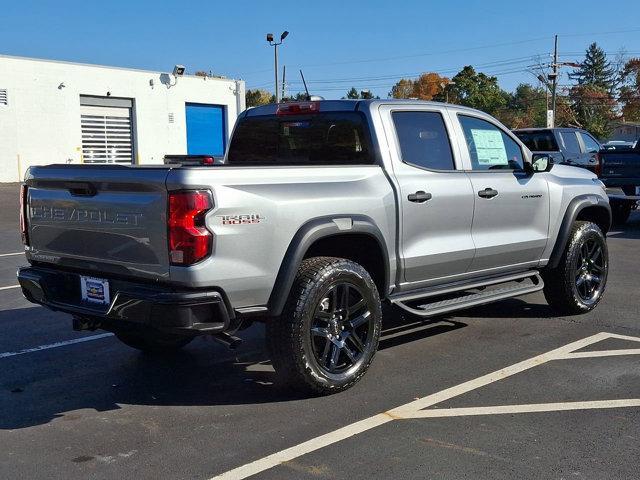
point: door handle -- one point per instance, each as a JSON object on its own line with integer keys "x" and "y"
{"x": 487, "y": 193}
{"x": 419, "y": 197}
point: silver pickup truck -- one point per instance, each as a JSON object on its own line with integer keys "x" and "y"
{"x": 320, "y": 212}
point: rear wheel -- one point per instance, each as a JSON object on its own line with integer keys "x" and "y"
{"x": 328, "y": 333}
{"x": 153, "y": 342}
{"x": 577, "y": 284}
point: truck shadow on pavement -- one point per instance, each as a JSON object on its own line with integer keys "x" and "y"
{"x": 39, "y": 387}
{"x": 630, "y": 230}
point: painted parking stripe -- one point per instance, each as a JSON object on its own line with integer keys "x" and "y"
{"x": 531, "y": 408}
{"x": 9, "y": 287}
{"x": 56, "y": 345}
{"x": 11, "y": 254}
{"x": 416, "y": 407}
{"x": 600, "y": 353}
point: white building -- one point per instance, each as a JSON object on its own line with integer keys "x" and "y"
{"x": 61, "y": 112}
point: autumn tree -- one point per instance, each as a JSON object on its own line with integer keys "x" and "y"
{"x": 425, "y": 87}
{"x": 402, "y": 89}
{"x": 258, "y": 97}
{"x": 630, "y": 90}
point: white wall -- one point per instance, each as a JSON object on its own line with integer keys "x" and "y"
{"x": 41, "y": 123}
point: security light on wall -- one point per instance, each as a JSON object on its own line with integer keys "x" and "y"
{"x": 178, "y": 70}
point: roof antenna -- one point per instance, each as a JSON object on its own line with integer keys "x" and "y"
{"x": 305, "y": 85}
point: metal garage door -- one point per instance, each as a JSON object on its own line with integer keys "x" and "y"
{"x": 107, "y": 135}
{"x": 205, "y": 129}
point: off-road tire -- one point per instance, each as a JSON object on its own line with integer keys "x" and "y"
{"x": 560, "y": 283}
{"x": 289, "y": 336}
{"x": 153, "y": 342}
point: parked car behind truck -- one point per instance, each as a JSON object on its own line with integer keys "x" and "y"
{"x": 321, "y": 212}
{"x": 568, "y": 146}
{"x": 620, "y": 172}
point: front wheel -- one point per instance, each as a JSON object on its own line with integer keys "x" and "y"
{"x": 328, "y": 332}
{"x": 577, "y": 284}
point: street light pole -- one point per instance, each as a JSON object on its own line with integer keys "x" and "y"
{"x": 554, "y": 82}
{"x": 275, "y": 58}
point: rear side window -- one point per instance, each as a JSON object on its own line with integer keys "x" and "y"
{"x": 489, "y": 147}
{"x": 590, "y": 143}
{"x": 570, "y": 142}
{"x": 332, "y": 138}
{"x": 424, "y": 141}
{"x": 538, "y": 140}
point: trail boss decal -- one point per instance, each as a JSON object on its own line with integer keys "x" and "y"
{"x": 245, "y": 219}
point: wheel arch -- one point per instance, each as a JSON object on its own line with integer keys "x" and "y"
{"x": 590, "y": 208}
{"x": 333, "y": 236}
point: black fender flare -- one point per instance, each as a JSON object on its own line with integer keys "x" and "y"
{"x": 307, "y": 235}
{"x": 574, "y": 208}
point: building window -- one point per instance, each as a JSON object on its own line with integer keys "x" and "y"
{"x": 4, "y": 100}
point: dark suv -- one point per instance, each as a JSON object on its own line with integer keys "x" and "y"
{"x": 570, "y": 146}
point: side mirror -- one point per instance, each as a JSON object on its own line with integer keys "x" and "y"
{"x": 540, "y": 163}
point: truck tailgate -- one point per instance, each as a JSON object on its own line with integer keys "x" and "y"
{"x": 107, "y": 218}
{"x": 620, "y": 168}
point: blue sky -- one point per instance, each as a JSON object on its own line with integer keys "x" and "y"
{"x": 338, "y": 44}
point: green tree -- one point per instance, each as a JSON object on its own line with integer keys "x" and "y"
{"x": 254, "y": 98}
{"x": 595, "y": 70}
{"x": 475, "y": 90}
{"x": 525, "y": 107}
{"x": 353, "y": 94}
{"x": 592, "y": 96}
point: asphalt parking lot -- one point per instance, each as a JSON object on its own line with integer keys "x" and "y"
{"x": 502, "y": 391}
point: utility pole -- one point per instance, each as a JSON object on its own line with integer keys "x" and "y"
{"x": 284, "y": 83}
{"x": 275, "y": 58}
{"x": 553, "y": 76}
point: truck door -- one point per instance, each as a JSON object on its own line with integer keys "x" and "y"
{"x": 511, "y": 214}
{"x": 435, "y": 195}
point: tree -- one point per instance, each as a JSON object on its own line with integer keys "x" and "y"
{"x": 526, "y": 107}
{"x": 595, "y": 70}
{"x": 258, "y": 97}
{"x": 475, "y": 90}
{"x": 592, "y": 96}
{"x": 630, "y": 90}
{"x": 402, "y": 89}
{"x": 353, "y": 94}
{"x": 425, "y": 87}
{"x": 429, "y": 85}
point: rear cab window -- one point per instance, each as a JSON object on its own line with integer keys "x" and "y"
{"x": 325, "y": 138}
{"x": 570, "y": 141}
{"x": 591, "y": 145}
{"x": 489, "y": 147}
{"x": 423, "y": 139}
{"x": 538, "y": 140}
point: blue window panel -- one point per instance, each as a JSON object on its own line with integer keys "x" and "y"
{"x": 205, "y": 129}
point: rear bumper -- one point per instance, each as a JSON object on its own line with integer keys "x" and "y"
{"x": 133, "y": 305}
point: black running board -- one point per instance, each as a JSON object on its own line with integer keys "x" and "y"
{"x": 458, "y": 296}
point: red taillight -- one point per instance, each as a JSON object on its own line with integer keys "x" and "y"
{"x": 298, "y": 108}
{"x": 189, "y": 239}
{"x": 23, "y": 214}
{"x": 598, "y": 167}
{"x": 208, "y": 160}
